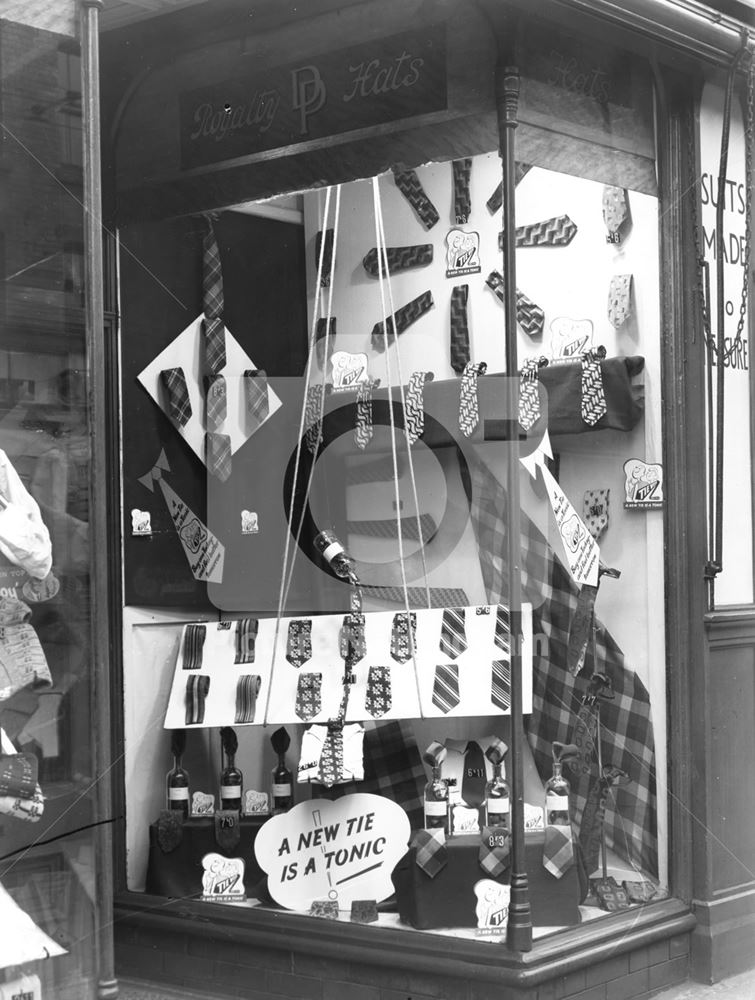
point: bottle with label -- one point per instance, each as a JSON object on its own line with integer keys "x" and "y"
{"x": 557, "y": 798}
{"x": 436, "y": 802}
{"x": 283, "y": 787}
{"x": 497, "y": 799}
{"x": 231, "y": 778}
{"x": 334, "y": 554}
{"x": 177, "y": 781}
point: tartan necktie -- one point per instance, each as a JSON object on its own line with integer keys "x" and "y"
{"x": 446, "y": 687}
{"x": 469, "y": 411}
{"x": 595, "y": 511}
{"x": 474, "y": 777}
{"x": 529, "y": 315}
{"x": 411, "y": 188}
{"x": 179, "y": 404}
{"x": 616, "y": 212}
{"x": 462, "y": 203}
{"x": 593, "y": 398}
{"x": 378, "y": 699}
{"x": 299, "y": 642}
{"x": 363, "y": 428}
{"x": 399, "y": 259}
{"x": 218, "y": 455}
{"x": 255, "y": 397}
{"x": 324, "y": 248}
{"x": 197, "y": 689}
{"x": 331, "y": 759}
{"x": 558, "y": 850}
{"x": 193, "y": 646}
{"x": 493, "y": 855}
{"x": 430, "y": 851}
{"x": 213, "y": 303}
{"x": 453, "y": 638}
{"x": 495, "y": 201}
{"x": 247, "y": 689}
{"x": 620, "y": 299}
{"x": 529, "y": 394}
{"x": 308, "y": 696}
{"x": 459, "y": 328}
{"x": 500, "y": 684}
{"x": 401, "y": 645}
{"x": 246, "y": 639}
{"x": 401, "y": 319}
{"x": 312, "y": 418}
{"x": 216, "y": 400}
{"x": 414, "y": 406}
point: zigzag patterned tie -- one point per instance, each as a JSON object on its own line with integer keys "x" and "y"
{"x": 255, "y": 397}
{"x": 459, "y": 328}
{"x": 177, "y": 392}
{"x": 593, "y": 397}
{"x": 218, "y": 455}
{"x": 453, "y": 637}
{"x": 529, "y": 395}
{"x": 411, "y": 188}
{"x": 327, "y": 256}
{"x": 446, "y": 687}
{"x": 616, "y": 212}
{"x": 213, "y": 302}
{"x": 216, "y": 400}
{"x": 312, "y": 420}
{"x": 469, "y": 411}
{"x": 401, "y": 319}
{"x": 399, "y": 258}
{"x": 620, "y": 299}
{"x": 529, "y": 315}
{"x": 495, "y": 201}
{"x": 414, "y": 406}
{"x": 462, "y": 202}
{"x": 556, "y": 232}
{"x": 363, "y": 429}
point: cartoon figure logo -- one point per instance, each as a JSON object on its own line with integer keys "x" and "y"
{"x": 141, "y": 523}
{"x": 193, "y": 535}
{"x": 492, "y": 909}
{"x": 462, "y": 253}
{"x": 223, "y": 879}
{"x": 249, "y": 522}
{"x": 348, "y": 370}
{"x": 570, "y": 338}
{"x": 573, "y": 532}
{"x": 643, "y": 484}
{"x": 202, "y": 804}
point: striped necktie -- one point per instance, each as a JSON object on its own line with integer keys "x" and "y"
{"x": 446, "y": 687}
{"x": 453, "y": 638}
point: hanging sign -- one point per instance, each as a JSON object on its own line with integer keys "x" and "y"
{"x": 341, "y": 851}
{"x": 643, "y": 485}
{"x": 462, "y": 253}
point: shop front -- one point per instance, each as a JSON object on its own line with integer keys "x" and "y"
{"x": 433, "y": 437}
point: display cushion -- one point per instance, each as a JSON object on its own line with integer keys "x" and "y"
{"x": 178, "y": 873}
{"x": 448, "y": 900}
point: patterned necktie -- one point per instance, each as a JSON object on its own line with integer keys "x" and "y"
{"x": 308, "y": 697}
{"x": 593, "y": 397}
{"x": 401, "y": 319}
{"x": 179, "y": 404}
{"x": 462, "y": 202}
{"x": 247, "y": 689}
{"x": 216, "y": 403}
{"x": 529, "y": 315}
{"x": 430, "y": 851}
{"x": 620, "y": 299}
{"x": 255, "y": 397}
{"x": 353, "y": 646}
{"x": 493, "y": 855}
{"x": 595, "y": 511}
{"x": 584, "y": 736}
{"x": 616, "y": 213}
{"x": 373, "y": 528}
{"x": 212, "y": 302}
{"x": 299, "y": 641}
{"x": 401, "y": 645}
{"x": 218, "y": 455}
{"x": 399, "y": 259}
{"x": 331, "y": 758}
{"x": 193, "y": 646}
{"x": 469, "y": 411}
{"x": 502, "y": 634}
{"x": 474, "y": 776}
{"x": 363, "y": 428}
{"x": 453, "y": 638}
{"x": 591, "y": 827}
{"x": 414, "y": 406}
{"x": 246, "y": 639}
{"x": 500, "y": 684}
{"x": 327, "y": 256}
{"x": 558, "y": 850}
{"x": 459, "y": 328}
{"x": 197, "y": 689}
{"x": 495, "y": 201}
{"x": 312, "y": 419}
{"x": 440, "y": 597}
{"x": 18, "y": 775}
{"x": 529, "y": 394}
{"x": 581, "y": 629}
{"x": 556, "y": 232}
{"x": 446, "y": 687}
{"x": 411, "y": 188}
{"x": 378, "y": 698}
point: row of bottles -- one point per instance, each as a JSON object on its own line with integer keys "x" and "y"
{"x": 231, "y": 777}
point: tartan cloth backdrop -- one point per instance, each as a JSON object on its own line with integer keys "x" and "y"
{"x": 627, "y": 729}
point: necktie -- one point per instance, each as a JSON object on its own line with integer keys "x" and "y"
{"x": 469, "y": 411}
{"x": 591, "y": 827}
{"x": 593, "y": 397}
{"x": 308, "y": 697}
{"x": 193, "y": 645}
{"x": 529, "y": 315}
{"x": 247, "y": 690}
{"x": 324, "y": 330}
{"x": 430, "y": 852}
{"x": 620, "y": 299}
{"x": 324, "y": 248}
{"x": 312, "y": 418}
{"x": 353, "y": 646}
{"x": 326, "y": 909}
{"x": 376, "y": 471}
{"x": 331, "y": 759}
{"x": 414, "y": 406}
{"x": 411, "y": 188}
{"x": 584, "y": 736}
{"x": 502, "y": 633}
{"x": 495, "y": 201}
{"x": 363, "y": 429}
{"x": 440, "y": 597}
{"x": 474, "y": 777}
{"x": 299, "y": 641}
{"x": 446, "y": 687}
{"x": 493, "y": 856}
{"x": 401, "y": 645}
{"x": 581, "y": 629}
{"x": 401, "y": 319}
{"x": 500, "y": 684}
{"x": 255, "y": 397}
{"x": 179, "y": 404}
{"x": 595, "y": 511}
{"x": 529, "y": 394}
{"x": 216, "y": 405}
{"x": 556, "y": 232}
{"x": 218, "y": 455}
{"x": 389, "y": 528}
{"x": 462, "y": 202}
{"x": 399, "y": 259}
{"x": 558, "y": 850}
{"x": 197, "y": 689}
{"x": 18, "y": 775}
{"x": 453, "y": 638}
{"x": 364, "y": 911}
{"x": 378, "y": 699}
{"x": 213, "y": 304}
{"x": 616, "y": 213}
{"x": 459, "y": 328}
{"x": 246, "y": 639}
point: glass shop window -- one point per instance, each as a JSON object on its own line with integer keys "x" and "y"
{"x": 315, "y": 538}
